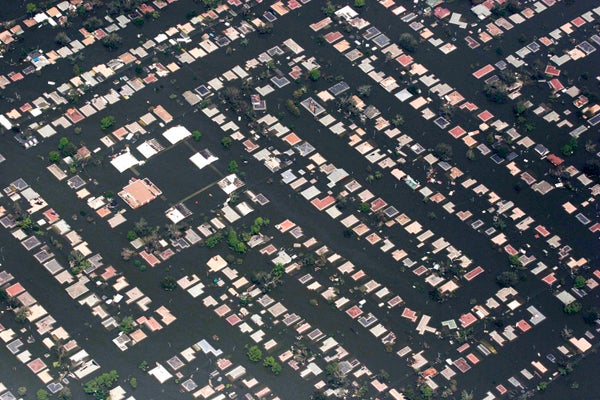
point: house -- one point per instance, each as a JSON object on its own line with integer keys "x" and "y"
{"x": 555, "y": 85}
{"x": 146, "y": 9}
{"x": 441, "y": 12}
{"x": 552, "y": 71}
{"x": 257, "y": 103}
{"x": 541, "y": 149}
{"x": 580, "y": 101}
{"x": 555, "y": 160}
{"x": 83, "y": 153}
{"x": 139, "y": 192}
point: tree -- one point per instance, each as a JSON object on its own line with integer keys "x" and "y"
{"x": 265, "y": 28}
{"x": 254, "y": 354}
{"x": 42, "y": 395}
{"x": 328, "y": 9}
{"x": 92, "y": 23}
{"x": 292, "y": 107}
{"x": 270, "y": 362}
{"x": 31, "y": 8}
{"x": 127, "y": 324}
{"x": 332, "y": 368}
{"x": 168, "y": 283}
{"x": 567, "y": 150}
{"x": 62, "y": 143}
{"x": 590, "y": 315}
{"x": 141, "y": 228}
{"x": 101, "y": 385}
{"x": 500, "y": 224}
{"x": 196, "y": 135}
{"x": 22, "y": 390}
{"x": 26, "y": 223}
{"x": 73, "y": 95}
{"x": 507, "y": 8}
{"x": 61, "y": 38}
{"x": 318, "y": 395}
{"x": 234, "y": 243}
{"x": 398, "y": 120}
{"x": 174, "y": 230}
{"x": 359, "y": 3}
{"x": 443, "y": 151}
{"x": 233, "y": 166}
{"x": 579, "y": 282}
{"x": 278, "y": 270}
{"x": 514, "y": 260}
{"x": 464, "y": 395}
{"x": 426, "y": 391}
{"x": 592, "y": 168}
{"x": 507, "y": 278}
{"x": 408, "y": 42}
{"x": 54, "y": 156}
{"x": 314, "y": 74}
{"x": 572, "y": 308}
{"x": 335, "y": 376}
{"x": 276, "y": 368}
{"x": 226, "y": 142}
{"x": 133, "y": 383}
{"x": 542, "y": 386}
{"x": 519, "y": 108}
{"x": 470, "y": 154}
{"x": 64, "y": 394}
{"x": 496, "y": 92}
{"x": 112, "y": 41}
{"x": 364, "y": 90}
{"x": 131, "y": 236}
{"x": 107, "y": 122}
{"x": 383, "y": 376}
{"x": 78, "y": 262}
{"x": 573, "y": 144}
{"x": 22, "y": 314}
{"x": 213, "y": 240}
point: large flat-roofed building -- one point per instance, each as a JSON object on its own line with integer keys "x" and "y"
{"x": 139, "y": 192}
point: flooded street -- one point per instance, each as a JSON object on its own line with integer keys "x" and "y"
{"x": 180, "y": 181}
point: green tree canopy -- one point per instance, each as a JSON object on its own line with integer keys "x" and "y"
{"x": 254, "y": 353}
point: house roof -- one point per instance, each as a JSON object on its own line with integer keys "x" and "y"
{"x": 139, "y": 192}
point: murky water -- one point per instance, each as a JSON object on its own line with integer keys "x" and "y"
{"x": 178, "y": 178}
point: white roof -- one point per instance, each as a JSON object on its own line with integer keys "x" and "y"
{"x": 160, "y": 373}
{"x": 403, "y": 95}
{"x": 229, "y": 214}
{"x": 5, "y": 122}
{"x": 230, "y": 183}
{"x": 216, "y": 263}
{"x": 146, "y": 150}
{"x": 565, "y": 297}
{"x": 176, "y": 134}
{"x": 202, "y": 161}
{"x": 124, "y": 161}
{"x": 46, "y": 131}
{"x": 159, "y": 39}
{"x": 346, "y": 12}
{"x": 174, "y": 215}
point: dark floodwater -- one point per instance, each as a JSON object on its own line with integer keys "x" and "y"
{"x": 174, "y": 175}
